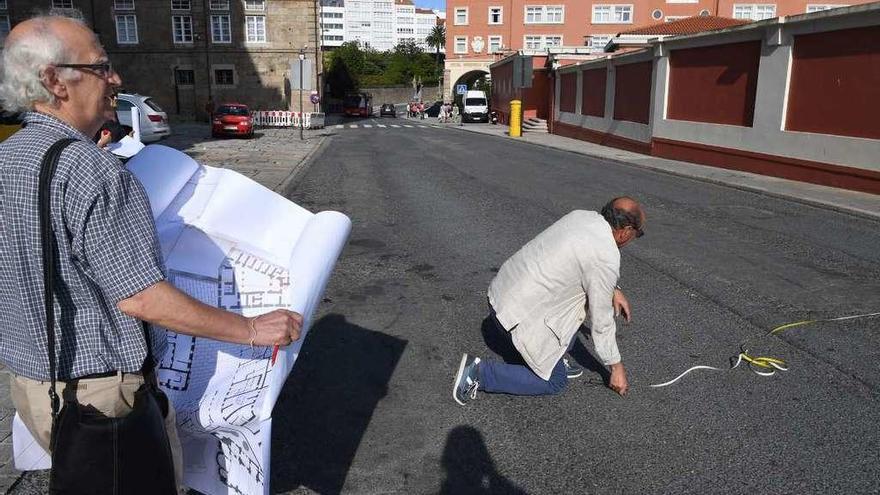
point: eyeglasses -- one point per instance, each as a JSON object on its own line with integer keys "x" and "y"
{"x": 103, "y": 69}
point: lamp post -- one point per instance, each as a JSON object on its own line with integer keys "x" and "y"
{"x": 302, "y": 119}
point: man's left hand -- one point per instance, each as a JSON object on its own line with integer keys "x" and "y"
{"x": 621, "y": 305}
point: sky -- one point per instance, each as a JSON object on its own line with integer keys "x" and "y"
{"x": 431, "y": 4}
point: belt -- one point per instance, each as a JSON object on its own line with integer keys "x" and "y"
{"x": 145, "y": 371}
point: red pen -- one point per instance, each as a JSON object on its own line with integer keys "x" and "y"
{"x": 275, "y": 353}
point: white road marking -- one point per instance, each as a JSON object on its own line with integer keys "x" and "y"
{"x": 353, "y": 126}
{"x": 367, "y": 126}
{"x": 339, "y": 126}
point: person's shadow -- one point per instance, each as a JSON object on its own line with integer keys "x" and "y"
{"x": 469, "y": 467}
{"x": 327, "y": 403}
{"x": 499, "y": 343}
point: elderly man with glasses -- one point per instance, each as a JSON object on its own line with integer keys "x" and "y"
{"x": 109, "y": 270}
{"x": 539, "y": 299}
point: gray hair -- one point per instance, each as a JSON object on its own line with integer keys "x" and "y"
{"x": 24, "y": 60}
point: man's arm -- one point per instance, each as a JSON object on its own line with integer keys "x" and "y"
{"x": 165, "y": 305}
{"x": 601, "y": 294}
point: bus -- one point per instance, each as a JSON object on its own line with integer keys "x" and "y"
{"x": 357, "y": 105}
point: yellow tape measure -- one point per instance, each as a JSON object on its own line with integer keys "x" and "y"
{"x": 762, "y": 365}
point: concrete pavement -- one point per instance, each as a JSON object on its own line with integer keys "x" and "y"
{"x": 273, "y": 158}
{"x": 854, "y": 202}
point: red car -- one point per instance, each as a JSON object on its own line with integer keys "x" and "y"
{"x": 232, "y": 119}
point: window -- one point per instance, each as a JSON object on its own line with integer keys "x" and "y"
{"x": 818, "y": 8}
{"x": 181, "y": 5}
{"x": 221, "y": 32}
{"x": 255, "y": 26}
{"x": 598, "y": 41}
{"x": 657, "y": 14}
{"x": 122, "y": 4}
{"x": 496, "y": 15}
{"x": 531, "y": 42}
{"x": 255, "y": 5}
{"x": 331, "y": 15}
{"x": 4, "y": 26}
{"x": 461, "y": 16}
{"x": 755, "y": 12}
{"x": 495, "y": 44}
{"x": 332, "y": 37}
{"x": 612, "y": 14}
{"x": 126, "y": 29}
{"x": 3, "y": 5}
{"x": 332, "y": 26}
{"x": 185, "y": 77}
{"x": 182, "y": 27}
{"x": 544, "y": 14}
{"x": 461, "y": 44}
{"x": 62, "y": 4}
{"x": 219, "y": 5}
{"x": 224, "y": 77}
{"x": 538, "y": 42}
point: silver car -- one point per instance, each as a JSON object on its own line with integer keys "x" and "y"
{"x": 153, "y": 120}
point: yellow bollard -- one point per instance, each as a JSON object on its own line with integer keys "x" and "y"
{"x": 515, "y": 118}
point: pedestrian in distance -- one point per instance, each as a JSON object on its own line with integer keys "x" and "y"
{"x": 538, "y": 301}
{"x": 109, "y": 272}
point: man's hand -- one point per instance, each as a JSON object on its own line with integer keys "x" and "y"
{"x": 621, "y": 305}
{"x": 618, "y": 381}
{"x": 279, "y": 327}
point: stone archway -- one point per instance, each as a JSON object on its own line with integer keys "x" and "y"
{"x": 472, "y": 79}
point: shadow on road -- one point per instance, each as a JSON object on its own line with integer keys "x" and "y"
{"x": 326, "y": 405}
{"x": 469, "y": 467}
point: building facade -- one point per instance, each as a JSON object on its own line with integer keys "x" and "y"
{"x": 477, "y": 31}
{"x": 190, "y": 54}
{"x": 377, "y": 24}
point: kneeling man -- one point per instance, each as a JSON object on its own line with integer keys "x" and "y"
{"x": 539, "y": 300}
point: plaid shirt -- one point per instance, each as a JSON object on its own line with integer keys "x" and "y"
{"x": 107, "y": 252}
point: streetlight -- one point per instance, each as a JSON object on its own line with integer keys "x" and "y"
{"x": 302, "y": 117}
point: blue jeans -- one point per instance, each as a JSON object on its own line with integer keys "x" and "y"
{"x": 516, "y": 378}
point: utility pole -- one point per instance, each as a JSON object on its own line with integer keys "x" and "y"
{"x": 302, "y": 117}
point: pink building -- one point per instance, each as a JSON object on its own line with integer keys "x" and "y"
{"x": 478, "y": 31}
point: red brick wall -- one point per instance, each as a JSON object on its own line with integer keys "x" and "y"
{"x": 632, "y": 92}
{"x": 593, "y": 92}
{"x": 714, "y": 84}
{"x": 568, "y": 92}
{"x": 835, "y": 83}
{"x": 535, "y": 99}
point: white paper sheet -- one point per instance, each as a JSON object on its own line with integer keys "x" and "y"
{"x": 126, "y": 147}
{"x": 233, "y": 244}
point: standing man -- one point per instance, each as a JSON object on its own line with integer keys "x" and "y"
{"x": 110, "y": 272}
{"x": 538, "y": 301}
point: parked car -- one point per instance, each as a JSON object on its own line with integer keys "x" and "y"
{"x": 232, "y": 119}
{"x": 153, "y": 120}
{"x": 476, "y": 107}
{"x": 10, "y": 123}
{"x": 387, "y": 109}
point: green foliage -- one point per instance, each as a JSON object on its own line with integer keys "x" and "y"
{"x": 351, "y": 66}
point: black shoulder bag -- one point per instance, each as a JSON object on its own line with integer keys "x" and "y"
{"x": 91, "y": 453}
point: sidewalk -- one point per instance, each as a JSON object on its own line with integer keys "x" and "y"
{"x": 273, "y": 158}
{"x": 857, "y": 203}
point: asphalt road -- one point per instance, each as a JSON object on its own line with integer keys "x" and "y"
{"x": 368, "y": 408}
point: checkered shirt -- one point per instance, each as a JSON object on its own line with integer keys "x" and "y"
{"x": 107, "y": 252}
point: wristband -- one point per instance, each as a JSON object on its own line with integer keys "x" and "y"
{"x": 253, "y": 324}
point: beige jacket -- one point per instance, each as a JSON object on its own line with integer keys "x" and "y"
{"x": 540, "y": 293}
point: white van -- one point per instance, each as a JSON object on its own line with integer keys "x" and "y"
{"x": 476, "y": 107}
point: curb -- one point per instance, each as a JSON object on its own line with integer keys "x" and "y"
{"x": 870, "y": 215}
{"x": 286, "y": 186}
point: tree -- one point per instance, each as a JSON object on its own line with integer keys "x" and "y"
{"x": 437, "y": 40}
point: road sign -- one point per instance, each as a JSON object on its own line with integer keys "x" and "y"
{"x": 461, "y": 89}
{"x": 315, "y": 98}
{"x": 307, "y": 78}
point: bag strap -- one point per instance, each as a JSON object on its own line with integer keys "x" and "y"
{"x": 47, "y": 240}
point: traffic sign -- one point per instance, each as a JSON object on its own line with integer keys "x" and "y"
{"x": 461, "y": 89}
{"x": 315, "y": 98}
